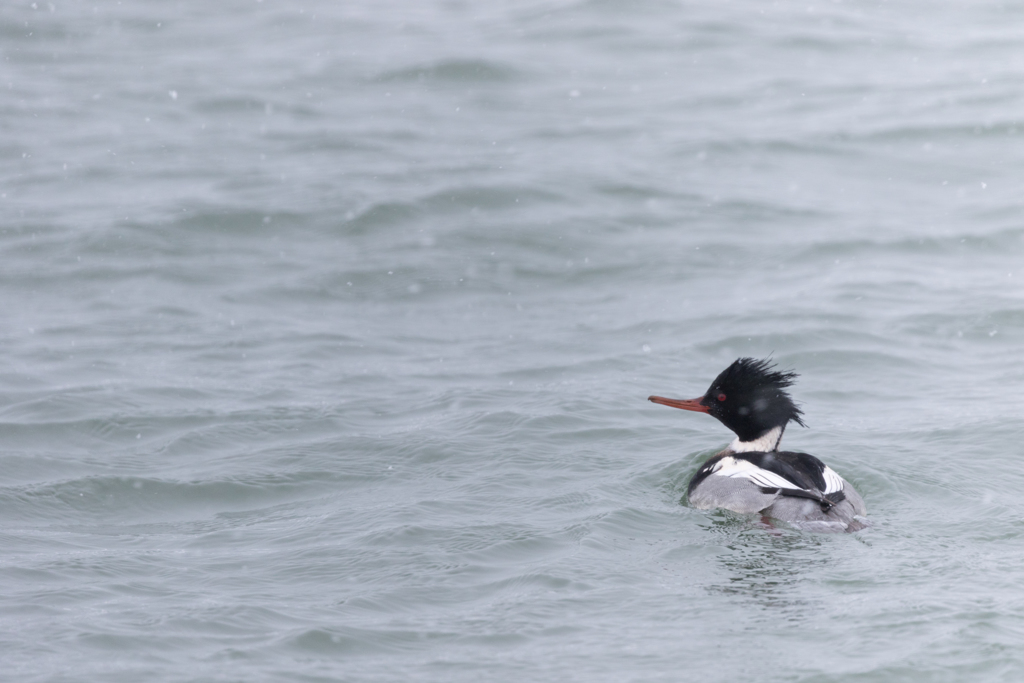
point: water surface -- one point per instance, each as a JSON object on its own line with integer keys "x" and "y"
{"x": 328, "y": 330}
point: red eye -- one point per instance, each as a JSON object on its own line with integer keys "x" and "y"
{"x": 721, "y": 397}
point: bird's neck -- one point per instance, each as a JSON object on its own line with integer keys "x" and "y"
{"x": 766, "y": 443}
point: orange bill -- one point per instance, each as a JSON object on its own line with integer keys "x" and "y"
{"x": 691, "y": 404}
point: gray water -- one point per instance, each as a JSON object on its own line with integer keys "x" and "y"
{"x": 328, "y": 327}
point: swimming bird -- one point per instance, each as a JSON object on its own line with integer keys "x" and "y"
{"x": 752, "y": 474}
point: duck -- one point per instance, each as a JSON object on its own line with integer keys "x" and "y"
{"x": 752, "y": 475}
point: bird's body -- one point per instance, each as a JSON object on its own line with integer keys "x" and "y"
{"x": 752, "y": 475}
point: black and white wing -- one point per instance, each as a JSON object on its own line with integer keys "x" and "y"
{"x": 783, "y": 473}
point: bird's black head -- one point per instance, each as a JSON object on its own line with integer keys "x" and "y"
{"x": 749, "y": 397}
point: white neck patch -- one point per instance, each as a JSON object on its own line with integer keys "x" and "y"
{"x": 763, "y": 444}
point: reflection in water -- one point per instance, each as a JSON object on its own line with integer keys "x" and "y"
{"x": 768, "y": 563}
